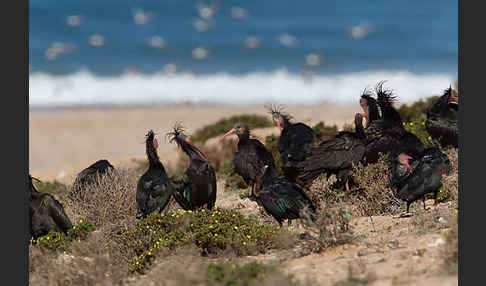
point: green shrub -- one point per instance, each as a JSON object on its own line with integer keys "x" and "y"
{"x": 271, "y": 143}
{"x": 324, "y": 132}
{"x": 209, "y": 231}
{"x": 417, "y": 127}
{"x": 415, "y": 110}
{"x": 59, "y": 241}
{"x": 225, "y": 124}
{"x": 252, "y": 273}
{"x": 52, "y": 188}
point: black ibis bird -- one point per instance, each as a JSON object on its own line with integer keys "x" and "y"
{"x": 154, "y": 188}
{"x": 441, "y": 121}
{"x": 198, "y": 186}
{"x": 45, "y": 213}
{"x": 412, "y": 177}
{"x": 334, "y": 156}
{"x": 90, "y": 174}
{"x": 281, "y": 198}
{"x": 251, "y": 155}
{"x": 337, "y": 155}
{"x": 294, "y": 143}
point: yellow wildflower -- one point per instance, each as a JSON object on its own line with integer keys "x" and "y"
{"x": 215, "y": 234}
{"x": 236, "y": 228}
{"x": 244, "y": 242}
{"x": 249, "y": 236}
{"x": 211, "y": 226}
{"x": 137, "y": 262}
{"x": 411, "y": 123}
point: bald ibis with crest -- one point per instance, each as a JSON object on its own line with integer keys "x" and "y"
{"x": 441, "y": 121}
{"x": 198, "y": 185}
{"x": 337, "y": 155}
{"x": 251, "y": 155}
{"x": 294, "y": 144}
{"x": 154, "y": 188}
{"x": 281, "y": 198}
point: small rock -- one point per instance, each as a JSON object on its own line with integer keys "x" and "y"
{"x": 363, "y": 252}
{"x": 65, "y": 258}
{"x": 437, "y": 242}
{"x": 442, "y": 220}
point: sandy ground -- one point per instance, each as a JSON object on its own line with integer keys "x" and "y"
{"x": 65, "y": 141}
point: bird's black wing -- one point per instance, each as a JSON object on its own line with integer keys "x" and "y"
{"x": 295, "y": 143}
{"x": 56, "y": 212}
{"x": 153, "y": 191}
{"x": 335, "y": 154}
{"x": 250, "y": 160}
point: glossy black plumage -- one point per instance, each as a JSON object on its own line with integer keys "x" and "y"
{"x": 294, "y": 144}
{"x": 251, "y": 156}
{"x": 154, "y": 188}
{"x": 198, "y": 186}
{"x": 45, "y": 213}
{"x": 89, "y": 175}
{"x": 441, "y": 121}
{"x": 334, "y": 156}
{"x": 426, "y": 176}
{"x": 337, "y": 155}
{"x": 281, "y": 198}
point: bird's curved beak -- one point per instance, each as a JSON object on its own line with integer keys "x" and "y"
{"x": 232, "y": 130}
{"x": 197, "y": 149}
{"x": 403, "y": 159}
{"x": 279, "y": 125}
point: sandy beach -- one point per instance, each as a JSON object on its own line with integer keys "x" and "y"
{"x": 64, "y": 141}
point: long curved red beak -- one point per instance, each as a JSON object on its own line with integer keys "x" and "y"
{"x": 197, "y": 149}
{"x": 403, "y": 159}
{"x": 232, "y": 130}
{"x": 279, "y": 125}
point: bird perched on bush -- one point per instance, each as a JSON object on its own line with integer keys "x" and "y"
{"x": 46, "y": 214}
{"x": 154, "y": 188}
{"x": 441, "y": 121}
{"x": 198, "y": 186}
{"x": 89, "y": 175}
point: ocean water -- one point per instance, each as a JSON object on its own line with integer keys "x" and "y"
{"x": 238, "y": 52}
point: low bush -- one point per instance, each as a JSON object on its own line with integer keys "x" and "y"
{"x": 225, "y": 124}
{"x": 211, "y": 232}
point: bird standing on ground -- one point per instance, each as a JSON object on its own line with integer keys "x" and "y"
{"x": 198, "y": 186}
{"x": 281, "y": 198}
{"x": 45, "y": 213}
{"x": 154, "y": 188}
{"x": 294, "y": 143}
{"x": 251, "y": 155}
{"x": 414, "y": 177}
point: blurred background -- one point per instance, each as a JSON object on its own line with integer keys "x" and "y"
{"x": 109, "y": 52}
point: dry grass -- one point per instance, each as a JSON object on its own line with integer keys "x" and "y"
{"x": 109, "y": 203}
{"x": 86, "y": 263}
{"x": 330, "y": 227}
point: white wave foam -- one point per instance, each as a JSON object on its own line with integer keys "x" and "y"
{"x": 84, "y": 88}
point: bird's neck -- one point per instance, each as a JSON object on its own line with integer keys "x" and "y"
{"x": 153, "y": 157}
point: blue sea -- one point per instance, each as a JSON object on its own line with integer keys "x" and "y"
{"x": 238, "y": 52}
